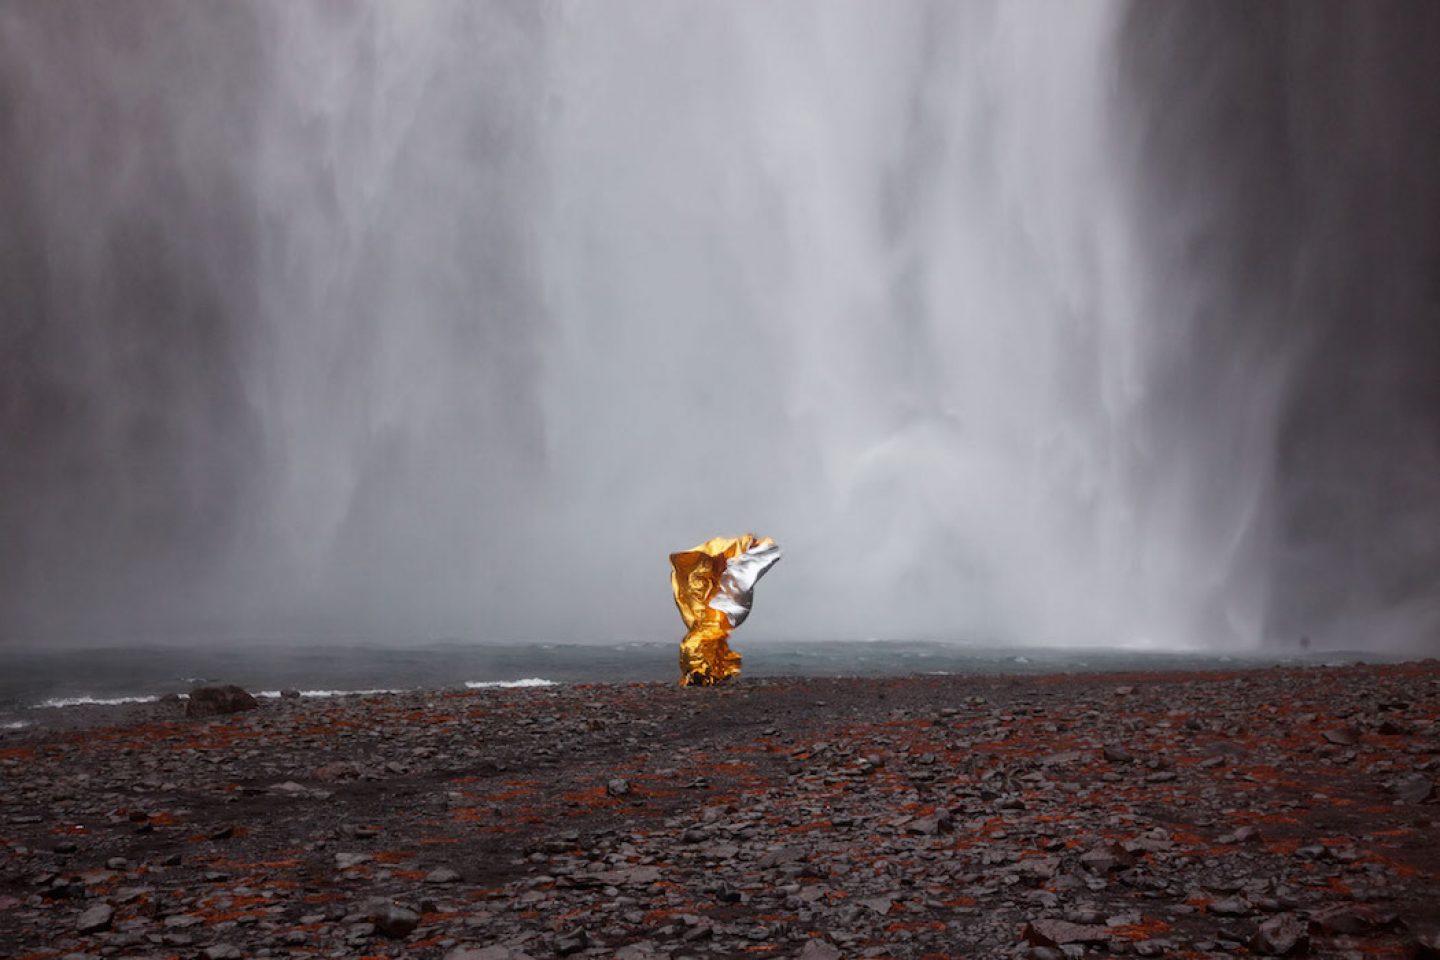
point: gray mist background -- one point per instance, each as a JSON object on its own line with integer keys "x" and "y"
{"x": 1032, "y": 322}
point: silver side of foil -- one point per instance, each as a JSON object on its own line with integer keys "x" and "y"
{"x": 735, "y": 593}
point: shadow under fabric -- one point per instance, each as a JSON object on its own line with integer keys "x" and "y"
{"x": 714, "y": 587}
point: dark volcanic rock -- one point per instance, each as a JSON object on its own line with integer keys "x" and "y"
{"x": 95, "y": 919}
{"x": 1343, "y": 736}
{"x": 1426, "y": 946}
{"x": 1281, "y": 936}
{"x": 1416, "y": 788}
{"x": 1056, "y": 933}
{"x": 1241, "y": 835}
{"x": 392, "y": 920}
{"x": 572, "y": 942}
{"x": 1352, "y": 918}
{"x": 819, "y": 950}
{"x": 214, "y": 701}
{"x": 485, "y": 953}
{"x": 442, "y": 875}
{"x": 1116, "y": 753}
{"x": 1231, "y": 907}
{"x": 483, "y": 825}
{"x": 339, "y": 770}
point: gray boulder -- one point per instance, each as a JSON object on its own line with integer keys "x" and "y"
{"x": 214, "y": 701}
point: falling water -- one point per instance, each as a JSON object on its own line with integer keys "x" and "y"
{"x": 1013, "y": 322}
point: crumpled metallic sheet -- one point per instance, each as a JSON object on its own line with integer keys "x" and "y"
{"x": 714, "y": 586}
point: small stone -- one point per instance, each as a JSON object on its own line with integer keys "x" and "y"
{"x": 640, "y": 876}
{"x": 617, "y": 787}
{"x": 880, "y": 905}
{"x": 1106, "y": 859}
{"x": 394, "y": 921}
{"x": 1426, "y": 946}
{"x": 929, "y": 826}
{"x": 495, "y": 952}
{"x": 1349, "y": 919}
{"x": 1283, "y": 935}
{"x": 442, "y": 875}
{"x": 572, "y": 942}
{"x": 479, "y": 953}
{"x": 781, "y": 856}
{"x": 222, "y": 951}
{"x": 1416, "y": 788}
{"x": 1057, "y": 933}
{"x": 1230, "y": 907}
{"x": 290, "y": 693}
{"x": 344, "y": 861}
{"x": 1343, "y": 736}
{"x": 819, "y": 950}
{"x": 95, "y": 919}
{"x": 339, "y": 770}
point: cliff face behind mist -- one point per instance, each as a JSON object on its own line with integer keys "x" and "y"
{"x": 1289, "y": 156}
{"x": 128, "y": 301}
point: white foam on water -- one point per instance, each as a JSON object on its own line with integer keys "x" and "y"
{"x": 93, "y": 701}
{"x": 81, "y": 701}
{"x": 275, "y": 694}
{"x": 14, "y": 725}
{"x": 492, "y": 684}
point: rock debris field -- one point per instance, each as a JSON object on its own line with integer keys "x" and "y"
{"x": 1278, "y": 812}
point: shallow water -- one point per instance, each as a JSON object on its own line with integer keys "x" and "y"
{"x": 33, "y": 679}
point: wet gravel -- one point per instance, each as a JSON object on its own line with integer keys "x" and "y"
{"x": 1272, "y": 812}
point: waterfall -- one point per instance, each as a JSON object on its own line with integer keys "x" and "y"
{"x": 1012, "y": 322}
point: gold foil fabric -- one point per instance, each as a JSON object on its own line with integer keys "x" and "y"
{"x": 714, "y": 588}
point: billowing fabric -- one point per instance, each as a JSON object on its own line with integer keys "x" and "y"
{"x": 714, "y": 587}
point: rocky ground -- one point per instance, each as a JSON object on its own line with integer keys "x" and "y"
{"x": 1189, "y": 815}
